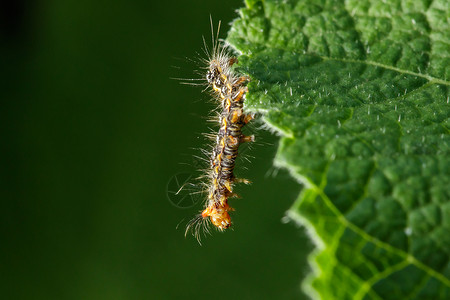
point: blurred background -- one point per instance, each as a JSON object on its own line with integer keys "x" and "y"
{"x": 93, "y": 133}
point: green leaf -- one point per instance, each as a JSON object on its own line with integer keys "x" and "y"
{"x": 359, "y": 91}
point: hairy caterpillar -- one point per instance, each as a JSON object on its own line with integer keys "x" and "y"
{"x": 229, "y": 89}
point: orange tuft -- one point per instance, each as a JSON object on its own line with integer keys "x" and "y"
{"x": 219, "y": 215}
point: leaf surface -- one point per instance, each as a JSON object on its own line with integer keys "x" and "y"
{"x": 359, "y": 91}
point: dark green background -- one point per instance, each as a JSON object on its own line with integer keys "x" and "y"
{"x": 92, "y": 130}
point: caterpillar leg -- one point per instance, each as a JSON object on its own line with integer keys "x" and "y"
{"x": 248, "y": 118}
{"x": 238, "y": 96}
{"x": 236, "y": 115}
{"x": 242, "y": 180}
{"x": 232, "y": 61}
{"x": 241, "y": 80}
{"x": 227, "y": 184}
{"x": 233, "y": 141}
{"x": 247, "y": 138}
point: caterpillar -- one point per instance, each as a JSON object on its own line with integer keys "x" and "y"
{"x": 228, "y": 88}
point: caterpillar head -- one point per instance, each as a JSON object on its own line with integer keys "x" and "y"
{"x": 218, "y": 215}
